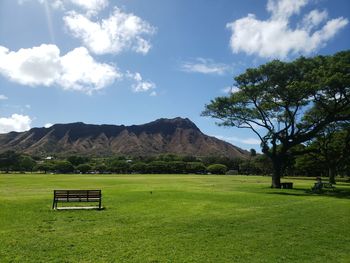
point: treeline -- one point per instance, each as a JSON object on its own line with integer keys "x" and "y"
{"x": 163, "y": 164}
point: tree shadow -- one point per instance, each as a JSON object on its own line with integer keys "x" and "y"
{"x": 337, "y": 193}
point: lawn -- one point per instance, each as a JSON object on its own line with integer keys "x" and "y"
{"x": 186, "y": 218}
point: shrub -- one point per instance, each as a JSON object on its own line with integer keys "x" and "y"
{"x": 177, "y": 167}
{"x": 83, "y": 168}
{"x": 63, "y": 167}
{"x": 139, "y": 167}
{"x": 119, "y": 166}
{"x": 217, "y": 169}
{"x": 195, "y": 167}
{"x": 158, "y": 167}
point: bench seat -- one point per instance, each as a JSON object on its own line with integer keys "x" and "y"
{"x": 66, "y": 196}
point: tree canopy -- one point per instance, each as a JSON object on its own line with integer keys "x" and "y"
{"x": 287, "y": 103}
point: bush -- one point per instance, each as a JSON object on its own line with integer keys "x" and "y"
{"x": 217, "y": 169}
{"x": 46, "y": 167}
{"x": 158, "y": 167}
{"x": 177, "y": 167}
{"x": 83, "y": 168}
{"x": 139, "y": 167}
{"x": 119, "y": 166}
{"x": 63, "y": 167}
{"x": 100, "y": 167}
{"x": 195, "y": 167}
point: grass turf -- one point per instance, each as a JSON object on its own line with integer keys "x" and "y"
{"x": 186, "y": 218}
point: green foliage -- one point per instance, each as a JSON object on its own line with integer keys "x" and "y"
{"x": 195, "y": 168}
{"x": 252, "y": 152}
{"x": 9, "y": 161}
{"x": 328, "y": 153}
{"x": 231, "y": 163}
{"x": 63, "y": 167}
{"x": 100, "y": 167}
{"x": 139, "y": 167}
{"x": 287, "y": 103}
{"x": 177, "y": 167}
{"x": 26, "y": 163}
{"x": 76, "y": 160}
{"x": 169, "y": 157}
{"x": 83, "y": 168}
{"x": 157, "y": 167}
{"x": 119, "y": 166}
{"x": 217, "y": 169}
{"x": 44, "y": 166}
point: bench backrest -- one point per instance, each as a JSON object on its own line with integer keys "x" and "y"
{"x": 77, "y": 194}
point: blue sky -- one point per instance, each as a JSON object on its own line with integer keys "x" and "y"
{"x": 133, "y": 61}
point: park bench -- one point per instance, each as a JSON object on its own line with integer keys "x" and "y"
{"x": 318, "y": 186}
{"x": 287, "y": 185}
{"x": 66, "y": 196}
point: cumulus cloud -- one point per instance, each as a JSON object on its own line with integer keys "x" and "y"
{"x": 120, "y": 32}
{"x": 205, "y": 66}
{"x": 274, "y": 37}
{"x": 48, "y": 125}
{"x": 43, "y": 65}
{"x": 16, "y": 122}
{"x": 141, "y": 85}
{"x": 3, "y": 97}
{"x": 91, "y": 7}
{"x": 250, "y": 141}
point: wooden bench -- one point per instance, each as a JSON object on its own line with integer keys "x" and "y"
{"x": 287, "y": 185}
{"x": 66, "y": 196}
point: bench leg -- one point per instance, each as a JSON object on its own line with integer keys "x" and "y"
{"x": 99, "y": 204}
{"x": 53, "y": 204}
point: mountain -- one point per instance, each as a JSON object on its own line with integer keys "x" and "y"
{"x": 178, "y": 135}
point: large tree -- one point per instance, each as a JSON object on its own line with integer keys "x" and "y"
{"x": 287, "y": 103}
{"x": 330, "y": 150}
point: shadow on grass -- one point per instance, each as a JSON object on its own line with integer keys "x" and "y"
{"x": 337, "y": 193}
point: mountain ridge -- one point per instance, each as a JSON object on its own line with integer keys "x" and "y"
{"x": 177, "y": 135}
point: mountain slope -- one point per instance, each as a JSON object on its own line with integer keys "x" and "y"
{"x": 178, "y": 135}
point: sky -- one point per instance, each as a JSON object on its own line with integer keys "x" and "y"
{"x": 134, "y": 61}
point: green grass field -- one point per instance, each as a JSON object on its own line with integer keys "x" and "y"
{"x": 187, "y": 218}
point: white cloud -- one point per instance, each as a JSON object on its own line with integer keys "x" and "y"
{"x": 48, "y": 125}
{"x": 141, "y": 85}
{"x": 16, "y": 122}
{"x": 3, "y": 97}
{"x": 274, "y": 37}
{"x": 205, "y": 66}
{"x": 81, "y": 72}
{"x": 229, "y": 90}
{"x": 91, "y": 7}
{"x": 250, "y": 141}
{"x": 119, "y": 32}
{"x": 43, "y": 65}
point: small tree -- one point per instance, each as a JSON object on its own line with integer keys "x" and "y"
{"x": 139, "y": 167}
{"x": 63, "y": 167}
{"x": 217, "y": 169}
{"x": 195, "y": 167}
{"x": 83, "y": 168}
{"x": 26, "y": 163}
{"x": 9, "y": 160}
{"x": 45, "y": 167}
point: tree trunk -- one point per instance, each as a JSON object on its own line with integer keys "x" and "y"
{"x": 331, "y": 174}
{"x": 277, "y": 173}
